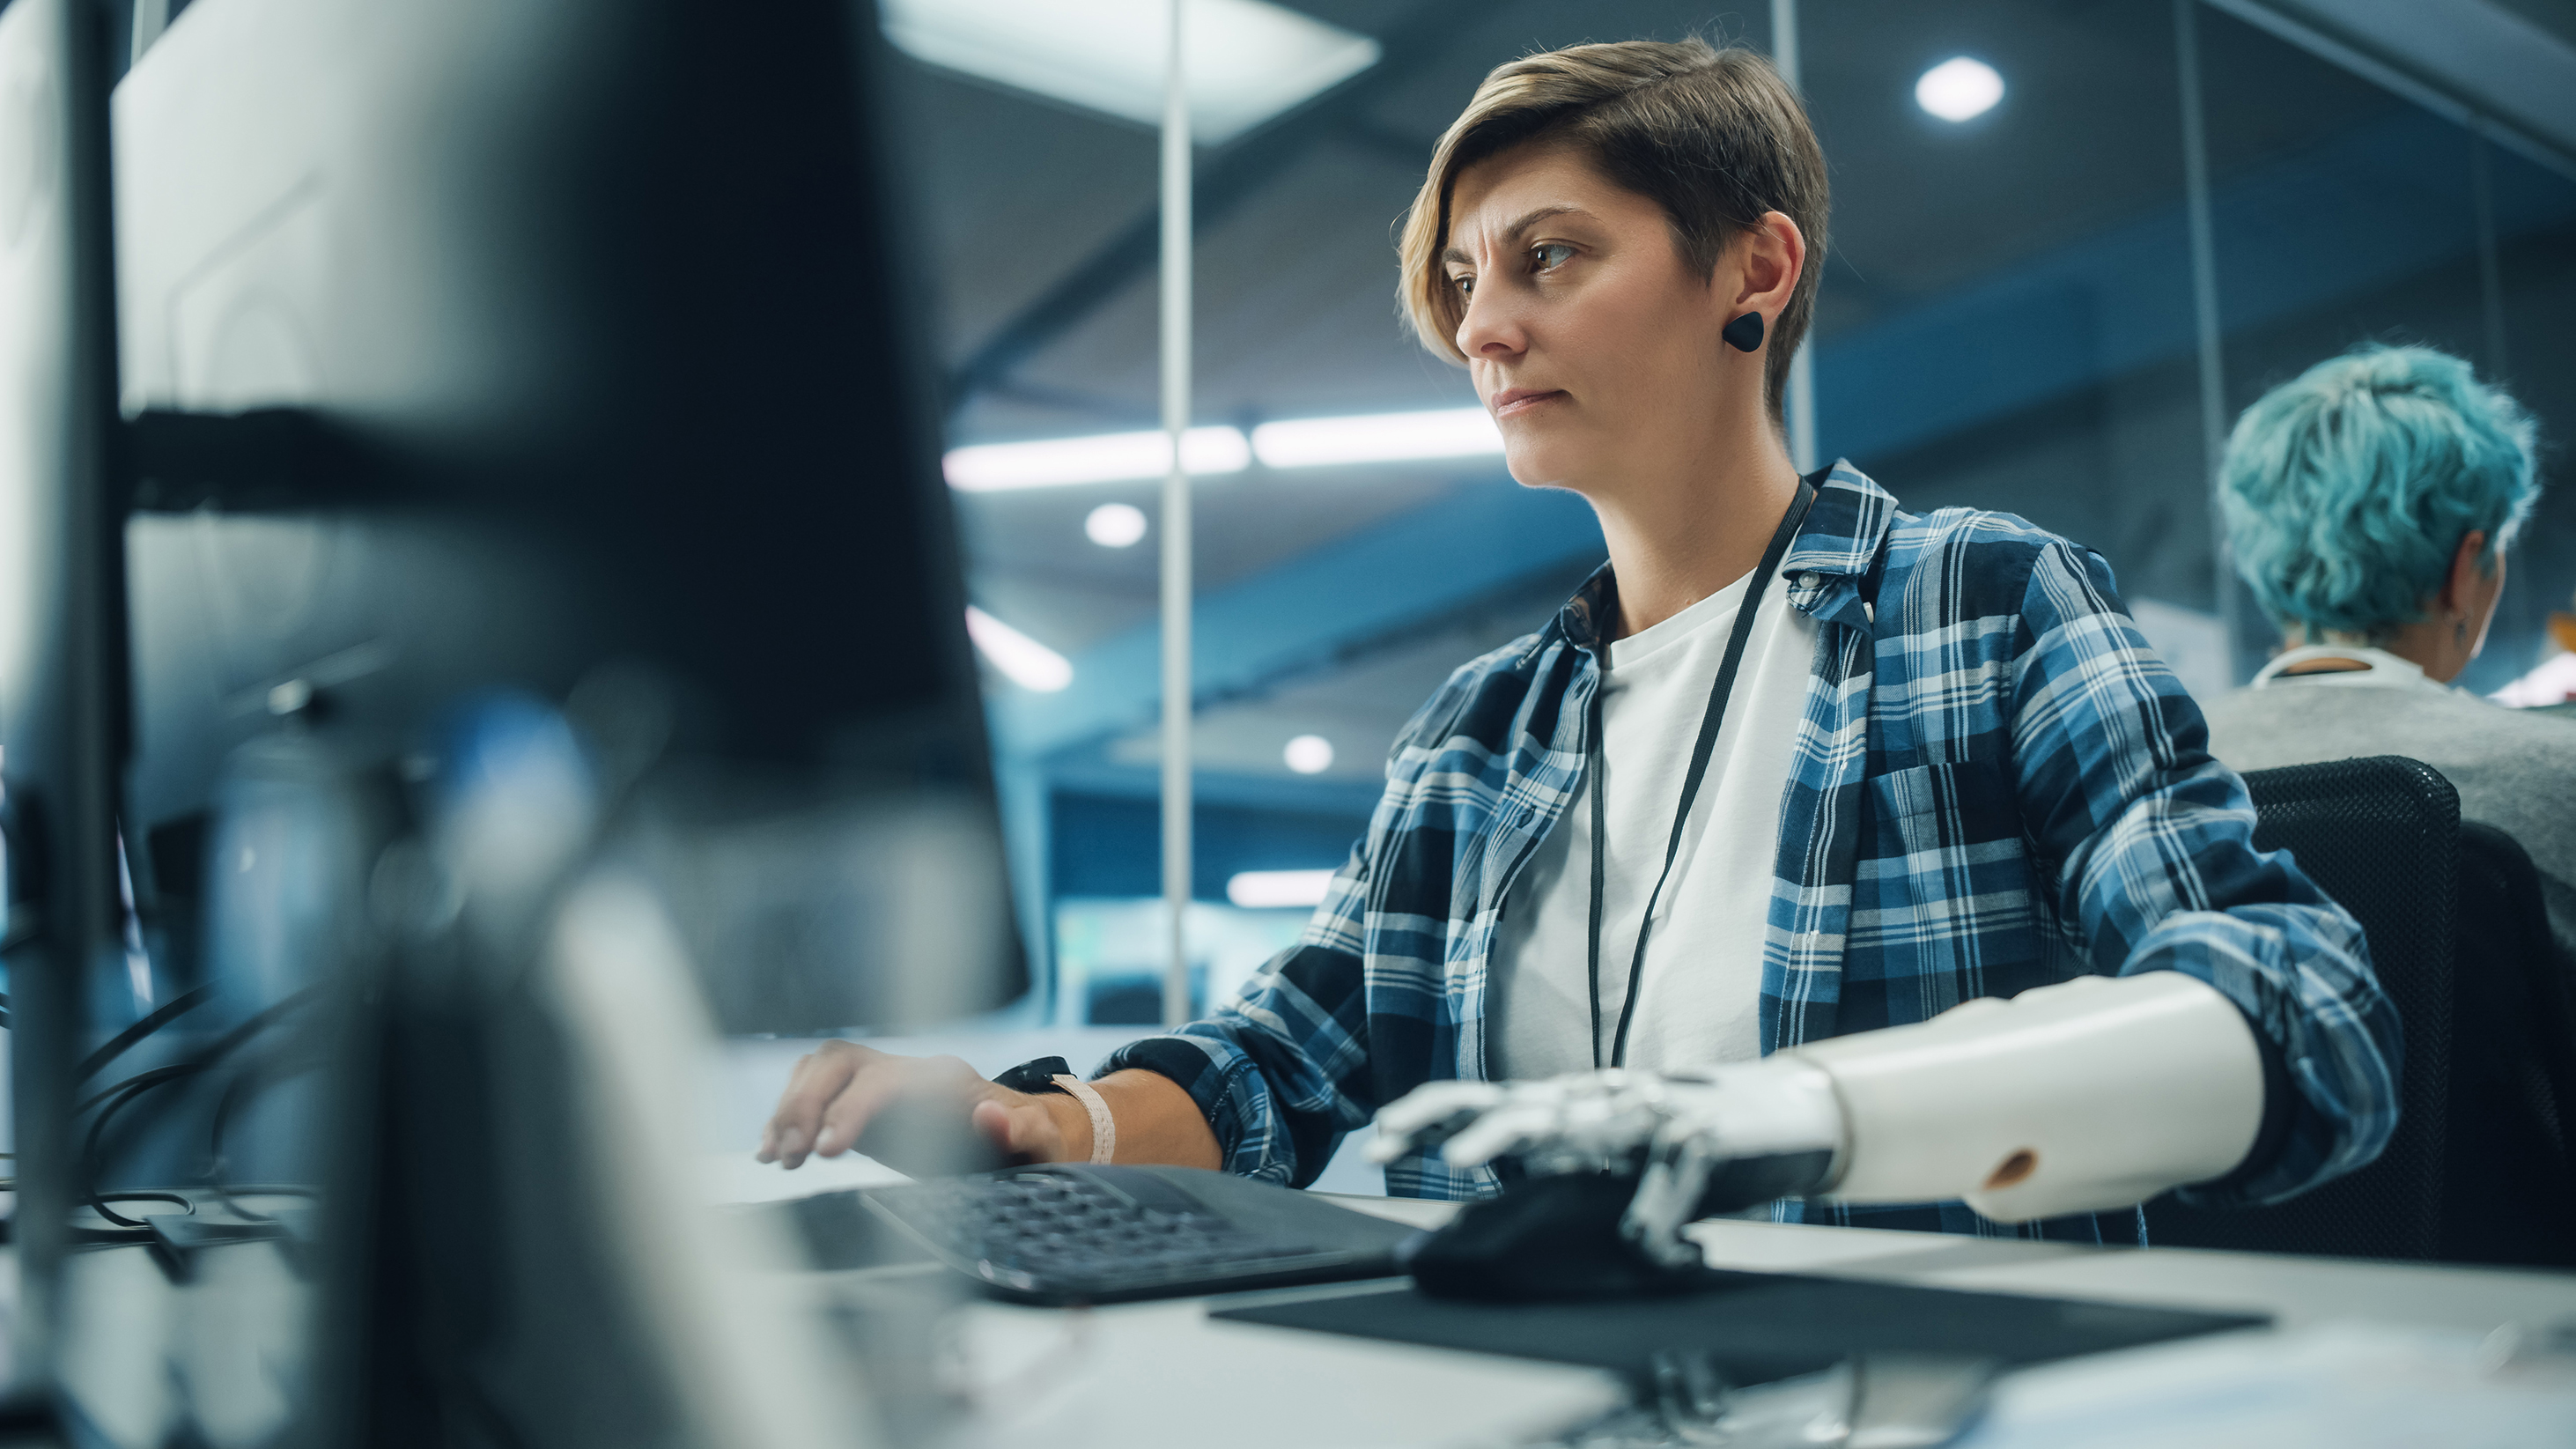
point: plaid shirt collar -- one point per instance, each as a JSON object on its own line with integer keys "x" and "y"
{"x": 1826, "y": 565}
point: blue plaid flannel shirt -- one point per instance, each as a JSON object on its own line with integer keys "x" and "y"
{"x": 1998, "y": 784}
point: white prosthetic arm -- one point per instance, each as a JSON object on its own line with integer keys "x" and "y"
{"x": 2094, "y": 1093}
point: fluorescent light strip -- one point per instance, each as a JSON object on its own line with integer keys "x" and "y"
{"x": 1302, "y": 443}
{"x": 1260, "y": 889}
{"x": 1376, "y": 438}
{"x": 1022, "y": 660}
{"x": 1100, "y": 458}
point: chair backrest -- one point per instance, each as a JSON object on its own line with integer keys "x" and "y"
{"x": 2381, "y": 836}
{"x": 2512, "y": 1156}
{"x": 2482, "y": 1168}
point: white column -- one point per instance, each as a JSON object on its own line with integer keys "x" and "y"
{"x": 1801, "y": 399}
{"x": 1176, "y": 525}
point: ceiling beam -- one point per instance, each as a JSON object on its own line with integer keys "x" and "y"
{"x": 2471, "y": 61}
{"x": 1395, "y": 578}
{"x": 2295, "y": 235}
{"x": 1221, "y": 182}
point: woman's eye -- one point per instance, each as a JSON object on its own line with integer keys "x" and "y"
{"x": 1550, "y": 255}
{"x": 1466, "y": 285}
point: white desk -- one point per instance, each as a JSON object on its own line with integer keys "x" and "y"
{"x": 2364, "y": 1353}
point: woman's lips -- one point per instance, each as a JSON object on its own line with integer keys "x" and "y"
{"x": 1511, "y": 402}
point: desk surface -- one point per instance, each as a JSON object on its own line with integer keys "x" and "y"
{"x": 2363, "y": 1352}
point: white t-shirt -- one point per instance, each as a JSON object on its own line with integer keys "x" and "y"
{"x": 1700, "y": 1002}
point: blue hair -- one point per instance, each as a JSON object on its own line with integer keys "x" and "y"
{"x": 2347, "y": 490}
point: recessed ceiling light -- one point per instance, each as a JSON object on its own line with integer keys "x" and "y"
{"x": 1309, "y": 754}
{"x": 1115, "y": 525}
{"x": 1246, "y": 61}
{"x": 1022, "y": 660}
{"x": 1959, "y": 89}
{"x": 1257, "y": 889}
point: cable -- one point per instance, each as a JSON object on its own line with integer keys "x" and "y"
{"x": 119, "y": 1044}
{"x": 123, "y": 1094}
{"x": 232, "y": 1193}
{"x": 153, "y": 1078}
{"x": 128, "y": 1228}
{"x": 258, "y": 1075}
{"x": 151, "y": 1195}
{"x": 93, "y": 1160}
{"x": 224, "y": 1046}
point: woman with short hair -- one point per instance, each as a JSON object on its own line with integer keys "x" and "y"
{"x": 2370, "y": 502}
{"x": 1794, "y": 765}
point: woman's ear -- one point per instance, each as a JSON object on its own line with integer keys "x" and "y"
{"x": 2470, "y": 570}
{"x": 1767, "y": 262}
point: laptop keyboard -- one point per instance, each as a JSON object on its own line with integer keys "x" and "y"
{"x": 1096, "y": 1234}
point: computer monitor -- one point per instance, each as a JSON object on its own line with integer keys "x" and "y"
{"x": 593, "y": 325}
{"x": 60, "y": 634}
{"x": 539, "y": 505}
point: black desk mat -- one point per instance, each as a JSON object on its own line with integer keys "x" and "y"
{"x": 1755, "y": 1327}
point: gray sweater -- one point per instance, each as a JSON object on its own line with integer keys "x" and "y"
{"x": 2514, "y": 769}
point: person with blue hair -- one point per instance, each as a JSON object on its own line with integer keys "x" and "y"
{"x": 2370, "y": 502}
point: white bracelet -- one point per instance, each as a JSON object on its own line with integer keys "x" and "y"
{"x": 1104, "y": 1128}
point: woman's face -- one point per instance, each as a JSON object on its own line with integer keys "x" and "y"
{"x": 1590, "y": 340}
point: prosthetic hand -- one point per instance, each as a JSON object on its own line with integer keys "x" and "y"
{"x": 2094, "y": 1093}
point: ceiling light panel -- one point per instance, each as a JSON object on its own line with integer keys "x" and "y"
{"x": 1270, "y": 889}
{"x": 1022, "y": 660}
{"x": 1098, "y": 458}
{"x": 1376, "y": 438}
{"x": 1246, "y": 60}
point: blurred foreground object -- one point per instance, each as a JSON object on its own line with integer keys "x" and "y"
{"x": 546, "y": 626}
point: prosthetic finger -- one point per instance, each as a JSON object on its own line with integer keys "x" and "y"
{"x": 1430, "y": 1115}
{"x": 1509, "y": 1128}
{"x": 1668, "y": 1197}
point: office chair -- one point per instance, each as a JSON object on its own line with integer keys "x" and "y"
{"x": 2480, "y": 1169}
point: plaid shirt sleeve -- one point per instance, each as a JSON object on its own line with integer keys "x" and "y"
{"x": 2156, "y": 869}
{"x": 1279, "y": 1071}
{"x": 1285, "y": 1069}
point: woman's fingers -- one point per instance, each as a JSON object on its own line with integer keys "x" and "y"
{"x": 845, "y": 1091}
{"x": 818, "y": 1080}
{"x": 770, "y": 1130}
{"x": 867, "y": 1094}
{"x": 1020, "y": 1126}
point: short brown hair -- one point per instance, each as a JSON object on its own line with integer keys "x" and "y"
{"x": 1711, "y": 135}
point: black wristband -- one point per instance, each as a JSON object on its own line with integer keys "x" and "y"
{"x": 1036, "y": 1076}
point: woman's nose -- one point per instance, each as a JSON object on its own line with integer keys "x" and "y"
{"x": 1490, "y": 328}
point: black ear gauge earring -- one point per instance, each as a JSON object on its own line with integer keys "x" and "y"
{"x": 1744, "y": 334}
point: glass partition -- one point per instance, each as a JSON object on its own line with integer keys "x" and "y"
{"x": 2342, "y": 214}
{"x": 2006, "y": 320}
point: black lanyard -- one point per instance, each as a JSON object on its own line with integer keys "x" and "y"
{"x": 1708, "y": 727}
